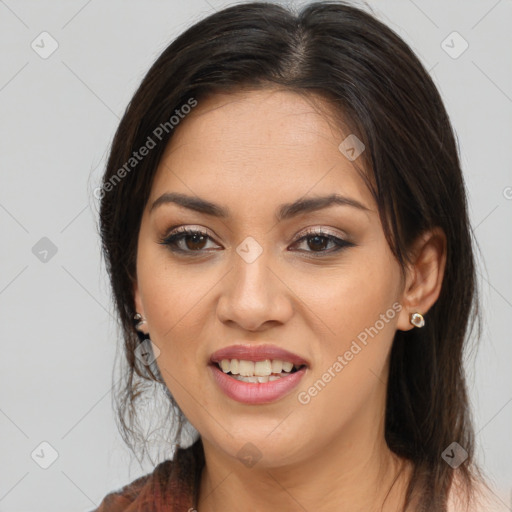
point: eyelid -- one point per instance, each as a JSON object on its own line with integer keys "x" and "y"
{"x": 178, "y": 233}
{"x": 324, "y": 231}
{"x": 188, "y": 227}
{"x": 310, "y": 231}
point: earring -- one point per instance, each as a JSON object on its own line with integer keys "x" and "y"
{"x": 138, "y": 326}
{"x": 140, "y": 320}
{"x": 417, "y": 320}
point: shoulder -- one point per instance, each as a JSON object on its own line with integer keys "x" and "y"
{"x": 171, "y": 486}
{"x": 128, "y": 498}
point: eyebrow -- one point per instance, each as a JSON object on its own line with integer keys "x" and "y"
{"x": 284, "y": 211}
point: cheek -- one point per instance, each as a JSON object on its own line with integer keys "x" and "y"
{"x": 174, "y": 298}
{"x": 352, "y": 368}
{"x": 173, "y": 290}
{"x": 360, "y": 308}
{"x": 351, "y": 298}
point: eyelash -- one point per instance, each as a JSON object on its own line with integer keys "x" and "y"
{"x": 179, "y": 234}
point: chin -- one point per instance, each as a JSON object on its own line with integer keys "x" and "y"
{"x": 260, "y": 446}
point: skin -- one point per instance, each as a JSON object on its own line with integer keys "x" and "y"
{"x": 251, "y": 152}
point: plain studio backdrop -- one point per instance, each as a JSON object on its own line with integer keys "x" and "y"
{"x": 68, "y": 70}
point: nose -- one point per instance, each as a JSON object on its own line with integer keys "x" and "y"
{"x": 254, "y": 296}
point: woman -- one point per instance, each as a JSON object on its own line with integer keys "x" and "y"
{"x": 284, "y": 222}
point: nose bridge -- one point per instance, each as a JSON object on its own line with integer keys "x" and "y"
{"x": 253, "y": 294}
{"x": 252, "y": 280}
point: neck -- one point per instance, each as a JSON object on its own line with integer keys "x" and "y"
{"x": 355, "y": 476}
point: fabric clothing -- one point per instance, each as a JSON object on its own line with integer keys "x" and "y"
{"x": 173, "y": 486}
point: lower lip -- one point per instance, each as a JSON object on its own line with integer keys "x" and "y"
{"x": 256, "y": 393}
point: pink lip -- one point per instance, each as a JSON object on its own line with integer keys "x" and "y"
{"x": 256, "y": 353}
{"x": 256, "y": 393}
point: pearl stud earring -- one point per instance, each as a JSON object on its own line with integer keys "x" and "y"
{"x": 417, "y": 320}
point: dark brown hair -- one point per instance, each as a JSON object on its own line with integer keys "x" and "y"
{"x": 378, "y": 87}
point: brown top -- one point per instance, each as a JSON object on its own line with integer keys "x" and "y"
{"x": 172, "y": 486}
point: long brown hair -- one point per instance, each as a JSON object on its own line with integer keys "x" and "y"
{"x": 377, "y": 86}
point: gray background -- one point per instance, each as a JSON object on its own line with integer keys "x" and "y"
{"x": 57, "y": 118}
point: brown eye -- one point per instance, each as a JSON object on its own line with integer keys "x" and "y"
{"x": 195, "y": 242}
{"x": 186, "y": 240}
{"x": 317, "y": 241}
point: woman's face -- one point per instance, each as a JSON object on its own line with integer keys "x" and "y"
{"x": 255, "y": 279}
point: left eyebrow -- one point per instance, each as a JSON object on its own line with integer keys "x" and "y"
{"x": 311, "y": 204}
{"x": 284, "y": 211}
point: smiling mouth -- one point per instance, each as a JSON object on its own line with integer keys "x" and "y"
{"x": 257, "y": 372}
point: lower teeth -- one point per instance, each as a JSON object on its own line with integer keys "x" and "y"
{"x": 257, "y": 379}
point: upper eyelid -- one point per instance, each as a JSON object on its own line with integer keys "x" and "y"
{"x": 324, "y": 231}
{"x": 310, "y": 231}
{"x": 180, "y": 232}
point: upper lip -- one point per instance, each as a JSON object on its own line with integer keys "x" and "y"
{"x": 249, "y": 352}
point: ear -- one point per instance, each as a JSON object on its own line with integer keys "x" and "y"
{"x": 424, "y": 276}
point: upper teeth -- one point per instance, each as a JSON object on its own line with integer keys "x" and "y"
{"x": 258, "y": 368}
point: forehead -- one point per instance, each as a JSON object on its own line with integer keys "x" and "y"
{"x": 262, "y": 146}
